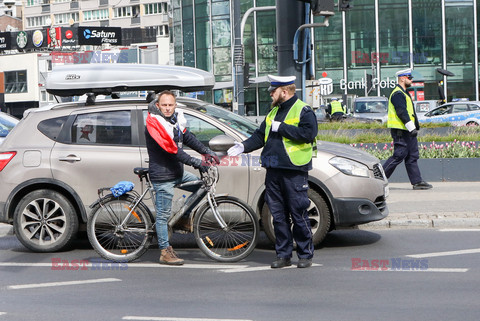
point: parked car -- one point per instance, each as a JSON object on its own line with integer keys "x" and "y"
{"x": 7, "y": 122}
{"x": 457, "y": 113}
{"x": 375, "y": 108}
{"x": 53, "y": 162}
{"x": 424, "y": 106}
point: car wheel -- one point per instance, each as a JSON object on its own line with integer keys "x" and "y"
{"x": 45, "y": 221}
{"x": 472, "y": 123}
{"x": 318, "y": 212}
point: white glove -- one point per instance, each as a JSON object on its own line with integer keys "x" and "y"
{"x": 410, "y": 126}
{"x": 236, "y": 150}
{"x": 275, "y": 125}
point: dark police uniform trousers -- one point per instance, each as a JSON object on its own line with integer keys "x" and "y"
{"x": 287, "y": 198}
{"x": 405, "y": 148}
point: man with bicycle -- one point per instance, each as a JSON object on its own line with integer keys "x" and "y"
{"x": 287, "y": 136}
{"x": 165, "y": 134}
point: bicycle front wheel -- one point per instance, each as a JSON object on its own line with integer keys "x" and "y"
{"x": 114, "y": 241}
{"x": 233, "y": 242}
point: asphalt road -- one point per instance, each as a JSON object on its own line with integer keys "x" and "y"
{"x": 419, "y": 274}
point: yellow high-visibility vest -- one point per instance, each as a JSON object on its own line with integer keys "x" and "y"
{"x": 393, "y": 120}
{"x": 299, "y": 153}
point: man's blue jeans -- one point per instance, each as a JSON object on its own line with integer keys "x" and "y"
{"x": 163, "y": 205}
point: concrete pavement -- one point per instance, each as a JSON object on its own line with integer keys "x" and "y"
{"x": 448, "y": 204}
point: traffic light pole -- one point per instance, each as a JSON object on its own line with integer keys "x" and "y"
{"x": 238, "y": 88}
{"x": 289, "y": 18}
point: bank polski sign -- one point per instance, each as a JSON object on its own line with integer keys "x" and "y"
{"x": 362, "y": 83}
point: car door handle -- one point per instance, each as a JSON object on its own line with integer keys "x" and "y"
{"x": 257, "y": 169}
{"x": 70, "y": 158}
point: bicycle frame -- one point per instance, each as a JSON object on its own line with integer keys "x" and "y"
{"x": 208, "y": 182}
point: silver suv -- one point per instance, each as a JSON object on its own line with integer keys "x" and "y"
{"x": 55, "y": 159}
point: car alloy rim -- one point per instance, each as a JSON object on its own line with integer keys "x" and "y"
{"x": 314, "y": 216}
{"x": 43, "y": 221}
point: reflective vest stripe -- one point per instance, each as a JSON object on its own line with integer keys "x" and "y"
{"x": 298, "y": 153}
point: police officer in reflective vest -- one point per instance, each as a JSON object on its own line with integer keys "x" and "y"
{"x": 404, "y": 125}
{"x": 287, "y": 136}
{"x": 336, "y": 110}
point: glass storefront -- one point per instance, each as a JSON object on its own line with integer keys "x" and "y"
{"x": 376, "y": 37}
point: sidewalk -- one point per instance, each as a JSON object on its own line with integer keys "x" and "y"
{"x": 446, "y": 205}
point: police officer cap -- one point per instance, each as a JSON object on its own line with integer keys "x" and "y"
{"x": 334, "y": 99}
{"x": 279, "y": 81}
{"x": 403, "y": 73}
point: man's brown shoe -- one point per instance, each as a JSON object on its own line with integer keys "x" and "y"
{"x": 168, "y": 256}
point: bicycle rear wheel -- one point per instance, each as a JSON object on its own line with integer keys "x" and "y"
{"x": 115, "y": 242}
{"x": 232, "y": 243}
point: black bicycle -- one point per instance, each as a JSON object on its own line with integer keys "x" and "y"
{"x": 121, "y": 228}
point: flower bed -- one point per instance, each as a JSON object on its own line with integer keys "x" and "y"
{"x": 455, "y": 149}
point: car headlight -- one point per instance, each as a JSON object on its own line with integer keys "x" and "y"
{"x": 349, "y": 167}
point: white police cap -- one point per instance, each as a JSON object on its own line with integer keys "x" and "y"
{"x": 279, "y": 81}
{"x": 403, "y": 73}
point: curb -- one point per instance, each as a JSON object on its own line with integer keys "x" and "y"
{"x": 6, "y": 230}
{"x": 422, "y": 223}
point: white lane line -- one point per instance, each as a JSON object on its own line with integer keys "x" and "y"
{"x": 459, "y": 230}
{"x": 259, "y": 268}
{"x": 2, "y": 313}
{"x": 176, "y": 319}
{"x": 447, "y": 270}
{"x": 124, "y": 266}
{"x": 447, "y": 253}
{"x": 50, "y": 284}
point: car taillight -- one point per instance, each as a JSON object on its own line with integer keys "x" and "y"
{"x": 5, "y": 158}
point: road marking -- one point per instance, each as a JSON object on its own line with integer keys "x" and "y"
{"x": 435, "y": 254}
{"x": 124, "y": 266}
{"x": 2, "y": 313}
{"x": 44, "y": 285}
{"x": 459, "y": 230}
{"x": 258, "y": 268}
{"x": 448, "y": 270}
{"x": 176, "y": 319}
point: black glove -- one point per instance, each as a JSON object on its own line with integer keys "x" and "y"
{"x": 211, "y": 158}
{"x": 414, "y": 133}
{"x": 199, "y": 164}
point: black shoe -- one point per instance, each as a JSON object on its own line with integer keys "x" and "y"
{"x": 304, "y": 263}
{"x": 422, "y": 185}
{"x": 280, "y": 263}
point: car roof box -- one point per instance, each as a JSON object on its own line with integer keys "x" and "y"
{"x": 105, "y": 79}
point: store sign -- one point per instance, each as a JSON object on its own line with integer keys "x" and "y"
{"x": 22, "y": 39}
{"x": 5, "y": 43}
{"x": 69, "y": 37}
{"x": 37, "y": 38}
{"x": 99, "y": 35}
{"x": 54, "y": 37}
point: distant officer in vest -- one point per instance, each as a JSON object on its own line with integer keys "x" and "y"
{"x": 335, "y": 110}
{"x": 404, "y": 125}
{"x": 287, "y": 136}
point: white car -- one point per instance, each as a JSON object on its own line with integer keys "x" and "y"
{"x": 457, "y": 113}
{"x": 7, "y": 122}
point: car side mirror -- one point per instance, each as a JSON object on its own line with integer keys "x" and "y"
{"x": 221, "y": 143}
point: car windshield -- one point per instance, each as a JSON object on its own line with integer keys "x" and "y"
{"x": 7, "y": 122}
{"x": 371, "y": 107}
{"x": 239, "y": 123}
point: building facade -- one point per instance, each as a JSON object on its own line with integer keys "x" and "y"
{"x": 374, "y": 39}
